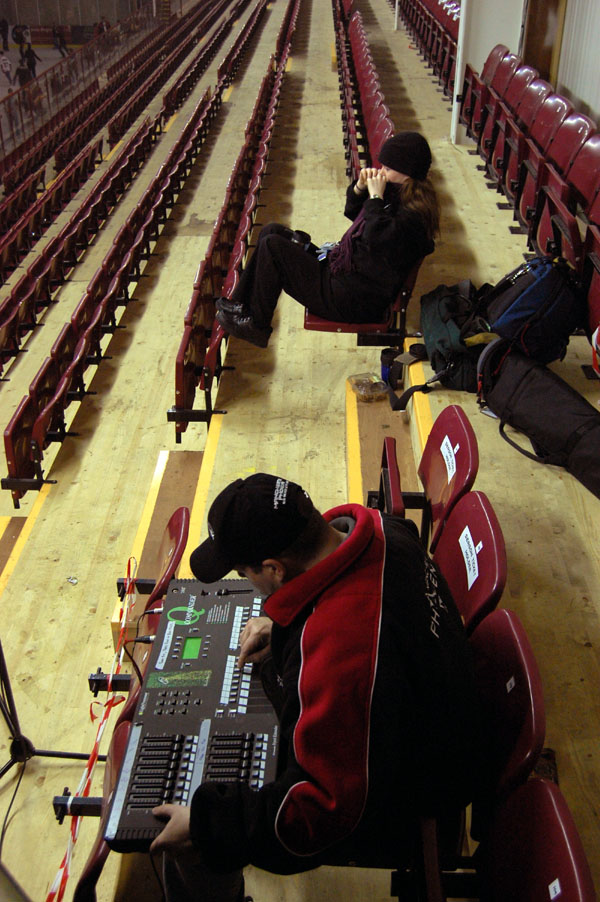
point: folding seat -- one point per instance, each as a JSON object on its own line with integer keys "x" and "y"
{"x": 63, "y": 349}
{"x": 570, "y": 136}
{"x": 511, "y": 690}
{"x": 45, "y": 382}
{"x": 211, "y": 367}
{"x": 525, "y": 149}
{"x": 383, "y": 131}
{"x": 10, "y": 340}
{"x": 472, "y": 557}
{"x": 533, "y": 850}
{"x": 447, "y": 71}
{"x": 23, "y": 474}
{"x": 390, "y": 330}
{"x": 23, "y": 298}
{"x": 21, "y": 240}
{"x": 500, "y": 104}
{"x": 447, "y": 471}
{"x": 555, "y": 227}
{"x": 515, "y": 124}
{"x": 85, "y": 309}
{"x": 388, "y": 498}
{"x": 81, "y": 361}
{"x": 7, "y": 264}
{"x": 46, "y": 273}
{"x": 487, "y": 95}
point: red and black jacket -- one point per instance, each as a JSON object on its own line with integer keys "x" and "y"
{"x": 378, "y": 716}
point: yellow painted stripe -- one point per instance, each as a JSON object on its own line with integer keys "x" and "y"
{"x": 146, "y": 518}
{"x": 23, "y": 536}
{"x": 353, "y": 462}
{"x": 288, "y": 64}
{"x": 170, "y": 122}
{"x": 227, "y": 93}
{"x": 201, "y": 496}
{"x": 112, "y": 151}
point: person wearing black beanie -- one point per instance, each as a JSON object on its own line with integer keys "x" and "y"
{"x": 395, "y": 218}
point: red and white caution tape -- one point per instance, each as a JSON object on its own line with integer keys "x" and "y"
{"x": 57, "y": 889}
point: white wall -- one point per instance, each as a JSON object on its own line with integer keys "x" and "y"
{"x": 483, "y": 24}
{"x": 578, "y": 70}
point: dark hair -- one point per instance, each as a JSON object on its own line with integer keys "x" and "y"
{"x": 303, "y": 549}
{"x": 421, "y": 197}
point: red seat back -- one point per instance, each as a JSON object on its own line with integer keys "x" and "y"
{"x": 471, "y": 556}
{"x": 448, "y": 465}
{"x": 510, "y": 686}
{"x": 534, "y": 850}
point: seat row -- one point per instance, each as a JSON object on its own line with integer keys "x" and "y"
{"x": 367, "y": 124}
{"x": 543, "y": 156}
{"x": 433, "y": 25}
{"x": 147, "y": 79}
{"x": 20, "y": 239}
{"x": 17, "y": 203}
{"x": 186, "y": 82}
{"x": 198, "y": 361}
{"x": 95, "y": 314}
{"x": 39, "y": 418}
{"x": 461, "y": 532}
{"x": 227, "y": 70}
{"x": 365, "y": 115}
{"x": 16, "y": 166}
{"x": 71, "y": 130}
{"x": 33, "y": 427}
{"x": 35, "y": 290}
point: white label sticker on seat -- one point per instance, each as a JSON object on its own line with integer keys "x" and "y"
{"x": 554, "y": 889}
{"x": 467, "y": 547}
{"x": 449, "y": 455}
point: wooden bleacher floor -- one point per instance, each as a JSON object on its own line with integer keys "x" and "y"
{"x": 287, "y": 412}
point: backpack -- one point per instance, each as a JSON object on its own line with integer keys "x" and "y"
{"x": 454, "y": 335}
{"x": 537, "y": 306}
{"x": 448, "y": 323}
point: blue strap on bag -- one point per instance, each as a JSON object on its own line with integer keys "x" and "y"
{"x": 537, "y": 307}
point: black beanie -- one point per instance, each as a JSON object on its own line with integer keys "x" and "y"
{"x": 407, "y": 152}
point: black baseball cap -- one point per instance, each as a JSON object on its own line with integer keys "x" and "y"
{"x": 250, "y": 520}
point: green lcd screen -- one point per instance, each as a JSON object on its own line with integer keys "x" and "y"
{"x": 191, "y": 648}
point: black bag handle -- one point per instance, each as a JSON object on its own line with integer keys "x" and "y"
{"x": 401, "y": 402}
{"x": 529, "y": 454}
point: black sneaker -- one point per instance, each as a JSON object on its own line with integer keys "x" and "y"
{"x": 244, "y": 327}
{"x": 231, "y": 308}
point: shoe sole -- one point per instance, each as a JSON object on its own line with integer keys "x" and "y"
{"x": 232, "y": 329}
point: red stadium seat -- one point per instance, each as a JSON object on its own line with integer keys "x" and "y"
{"x": 447, "y": 471}
{"x": 471, "y": 556}
{"x": 533, "y": 850}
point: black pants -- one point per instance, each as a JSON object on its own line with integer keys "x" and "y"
{"x": 278, "y": 264}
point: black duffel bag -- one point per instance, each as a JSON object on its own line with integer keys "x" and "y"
{"x": 563, "y": 428}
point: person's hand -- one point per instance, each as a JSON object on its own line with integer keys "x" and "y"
{"x": 363, "y": 176}
{"x": 255, "y": 640}
{"x": 175, "y": 837}
{"x": 376, "y": 182}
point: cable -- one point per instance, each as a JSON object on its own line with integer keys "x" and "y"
{"x": 158, "y": 878}
{"x": 138, "y": 672}
{"x": 10, "y": 804}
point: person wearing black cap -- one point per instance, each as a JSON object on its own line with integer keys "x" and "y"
{"x": 395, "y": 219}
{"x": 375, "y": 691}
